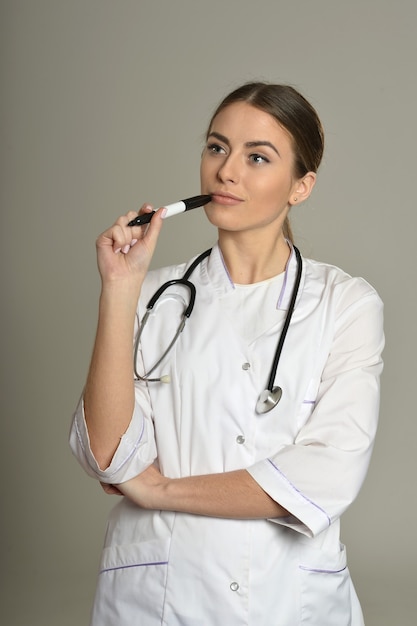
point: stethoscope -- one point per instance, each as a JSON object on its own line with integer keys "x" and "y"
{"x": 269, "y": 398}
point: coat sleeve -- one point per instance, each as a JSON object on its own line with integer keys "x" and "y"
{"x": 318, "y": 476}
{"x": 136, "y": 450}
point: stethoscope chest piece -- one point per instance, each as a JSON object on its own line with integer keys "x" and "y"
{"x": 268, "y": 400}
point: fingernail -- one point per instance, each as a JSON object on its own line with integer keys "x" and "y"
{"x": 164, "y": 211}
{"x": 132, "y": 243}
{"x": 117, "y": 251}
{"x": 126, "y": 248}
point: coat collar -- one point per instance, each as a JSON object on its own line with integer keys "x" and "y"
{"x": 215, "y": 273}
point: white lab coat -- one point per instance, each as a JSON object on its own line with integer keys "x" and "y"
{"x": 310, "y": 453}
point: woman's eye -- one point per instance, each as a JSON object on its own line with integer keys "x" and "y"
{"x": 215, "y": 148}
{"x": 258, "y": 158}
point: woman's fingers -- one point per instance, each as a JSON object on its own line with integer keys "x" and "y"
{"x": 125, "y": 236}
{"x": 111, "y": 489}
{"x": 124, "y": 249}
{"x": 120, "y": 236}
{"x": 146, "y": 235}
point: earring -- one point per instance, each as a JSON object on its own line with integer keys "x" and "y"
{"x": 295, "y": 199}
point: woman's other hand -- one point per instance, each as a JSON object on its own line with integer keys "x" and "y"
{"x": 145, "y": 489}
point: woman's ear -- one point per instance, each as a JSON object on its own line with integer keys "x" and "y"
{"x": 303, "y": 188}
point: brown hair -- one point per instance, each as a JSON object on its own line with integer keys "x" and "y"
{"x": 294, "y": 113}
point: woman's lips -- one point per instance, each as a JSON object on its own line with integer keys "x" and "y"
{"x": 225, "y": 198}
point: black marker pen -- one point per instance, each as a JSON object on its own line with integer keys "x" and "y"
{"x": 172, "y": 209}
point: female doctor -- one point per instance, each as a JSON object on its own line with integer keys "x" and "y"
{"x": 233, "y": 492}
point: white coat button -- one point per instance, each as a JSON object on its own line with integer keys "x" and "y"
{"x": 234, "y": 586}
{"x": 246, "y": 366}
{"x": 240, "y": 439}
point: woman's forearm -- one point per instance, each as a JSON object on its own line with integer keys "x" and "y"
{"x": 230, "y": 495}
{"x": 233, "y": 495}
{"x": 109, "y": 391}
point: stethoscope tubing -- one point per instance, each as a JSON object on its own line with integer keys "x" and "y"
{"x": 270, "y": 397}
{"x": 185, "y": 315}
{"x": 291, "y": 306}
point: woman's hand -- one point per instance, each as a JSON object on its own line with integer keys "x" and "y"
{"x": 145, "y": 490}
{"x": 125, "y": 252}
{"x": 111, "y": 490}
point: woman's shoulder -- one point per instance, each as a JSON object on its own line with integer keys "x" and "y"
{"x": 339, "y": 281}
{"x": 158, "y": 276}
{"x": 167, "y": 272}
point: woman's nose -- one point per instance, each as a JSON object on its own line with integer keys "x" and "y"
{"x": 229, "y": 170}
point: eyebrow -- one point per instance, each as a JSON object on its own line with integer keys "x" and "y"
{"x": 248, "y": 144}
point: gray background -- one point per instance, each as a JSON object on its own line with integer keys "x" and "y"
{"x": 103, "y": 106}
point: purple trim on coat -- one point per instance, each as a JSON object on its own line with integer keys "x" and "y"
{"x": 299, "y": 492}
{"x": 284, "y": 285}
{"x": 112, "y": 569}
{"x": 226, "y": 270}
{"x": 322, "y": 571}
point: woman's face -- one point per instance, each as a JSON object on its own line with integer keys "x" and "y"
{"x": 247, "y": 167}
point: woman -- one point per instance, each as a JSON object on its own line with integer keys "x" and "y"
{"x": 232, "y": 499}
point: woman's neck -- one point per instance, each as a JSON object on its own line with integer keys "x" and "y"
{"x": 251, "y": 259}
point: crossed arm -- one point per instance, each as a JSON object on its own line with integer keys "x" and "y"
{"x": 234, "y": 495}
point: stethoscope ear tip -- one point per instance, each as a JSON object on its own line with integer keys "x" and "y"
{"x": 165, "y": 379}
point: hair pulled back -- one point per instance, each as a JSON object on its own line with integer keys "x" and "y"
{"x": 294, "y": 113}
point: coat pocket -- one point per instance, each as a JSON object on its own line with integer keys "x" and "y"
{"x": 308, "y": 404}
{"x": 325, "y": 589}
{"x": 131, "y": 584}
